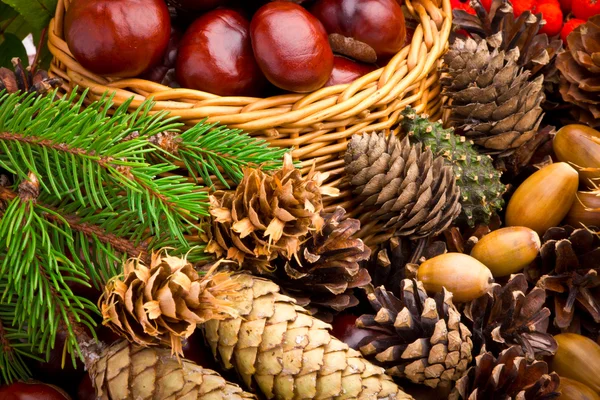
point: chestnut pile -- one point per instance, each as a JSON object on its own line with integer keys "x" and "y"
{"x": 236, "y": 47}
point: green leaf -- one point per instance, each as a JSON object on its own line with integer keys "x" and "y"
{"x": 7, "y": 12}
{"x": 11, "y": 47}
{"x": 12, "y": 22}
{"x": 36, "y": 12}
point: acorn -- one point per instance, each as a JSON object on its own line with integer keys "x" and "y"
{"x": 574, "y": 390}
{"x": 585, "y": 210}
{"x": 543, "y": 199}
{"x": 578, "y": 358}
{"x": 579, "y": 145}
{"x": 459, "y": 273}
{"x": 508, "y": 250}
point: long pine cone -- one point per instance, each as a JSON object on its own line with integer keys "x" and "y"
{"x": 401, "y": 185}
{"x": 277, "y": 348}
{"x": 125, "y": 371}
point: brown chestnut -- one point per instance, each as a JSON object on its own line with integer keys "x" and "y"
{"x": 347, "y": 71}
{"x": 216, "y": 56}
{"x": 291, "y": 47}
{"x": 197, "y": 5}
{"x": 366, "y": 30}
{"x": 122, "y": 38}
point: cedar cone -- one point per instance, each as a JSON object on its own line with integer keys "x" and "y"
{"x": 416, "y": 337}
{"x": 163, "y": 303}
{"x": 128, "y": 371}
{"x": 23, "y": 80}
{"x": 326, "y": 269}
{"x": 401, "y": 186}
{"x": 267, "y": 216}
{"x": 495, "y": 102}
{"x": 509, "y": 315}
{"x": 579, "y": 67}
{"x": 510, "y": 376}
{"x": 570, "y": 262}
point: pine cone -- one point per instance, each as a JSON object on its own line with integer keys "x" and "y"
{"x": 163, "y": 303}
{"x": 510, "y": 376}
{"x": 267, "y": 216}
{"x": 579, "y": 67}
{"x": 570, "y": 262}
{"x": 22, "y": 79}
{"x": 418, "y": 337}
{"x": 327, "y": 268}
{"x": 401, "y": 185}
{"x": 126, "y": 371}
{"x": 509, "y": 315}
{"x": 480, "y": 187}
{"x": 494, "y": 102}
{"x": 277, "y": 347}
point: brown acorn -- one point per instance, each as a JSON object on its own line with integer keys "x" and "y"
{"x": 585, "y": 210}
{"x": 508, "y": 250}
{"x": 573, "y": 390}
{"x": 543, "y": 199}
{"x": 578, "y": 358}
{"x": 460, "y": 274}
{"x": 579, "y": 145}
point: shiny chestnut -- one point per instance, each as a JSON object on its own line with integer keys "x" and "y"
{"x": 347, "y": 71}
{"x": 291, "y": 47}
{"x": 215, "y": 55}
{"x": 366, "y": 30}
{"x": 121, "y": 38}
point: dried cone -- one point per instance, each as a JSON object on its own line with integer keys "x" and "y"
{"x": 417, "y": 337}
{"x": 23, "y": 80}
{"x": 164, "y": 303}
{"x": 570, "y": 260}
{"x": 128, "y": 371}
{"x": 495, "y": 102}
{"x": 510, "y": 315}
{"x": 401, "y": 186}
{"x": 279, "y": 349}
{"x": 267, "y": 216}
{"x": 510, "y": 376}
{"x": 327, "y": 268}
{"x": 579, "y": 67}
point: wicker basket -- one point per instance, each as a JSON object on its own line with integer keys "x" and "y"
{"x": 317, "y": 125}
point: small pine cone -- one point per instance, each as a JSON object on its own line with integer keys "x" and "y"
{"x": 327, "y": 269}
{"x": 569, "y": 263}
{"x": 164, "y": 303}
{"x": 401, "y": 185}
{"x": 23, "y": 80}
{"x": 417, "y": 337}
{"x": 510, "y": 315}
{"x": 126, "y": 371}
{"x": 267, "y": 216}
{"x": 579, "y": 67}
{"x": 278, "y": 348}
{"x": 510, "y": 376}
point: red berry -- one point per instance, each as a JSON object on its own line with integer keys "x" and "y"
{"x": 584, "y": 9}
{"x": 568, "y": 28}
{"x": 520, "y": 6}
{"x": 553, "y": 16}
{"x": 32, "y": 391}
{"x": 462, "y": 5}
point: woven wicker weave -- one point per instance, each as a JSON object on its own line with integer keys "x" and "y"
{"x": 318, "y": 124}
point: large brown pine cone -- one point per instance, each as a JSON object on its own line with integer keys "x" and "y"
{"x": 267, "y": 216}
{"x": 495, "y": 102}
{"x": 164, "y": 303}
{"x": 568, "y": 269}
{"x": 579, "y": 67}
{"x": 21, "y": 79}
{"x": 510, "y": 376}
{"x": 127, "y": 371}
{"x": 401, "y": 185}
{"x": 511, "y": 315}
{"x": 327, "y": 268}
{"x": 416, "y": 337}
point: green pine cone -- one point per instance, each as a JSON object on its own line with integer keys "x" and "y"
{"x": 479, "y": 182}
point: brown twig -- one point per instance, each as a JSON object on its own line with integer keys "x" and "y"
{"x": 38, "y": 50}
